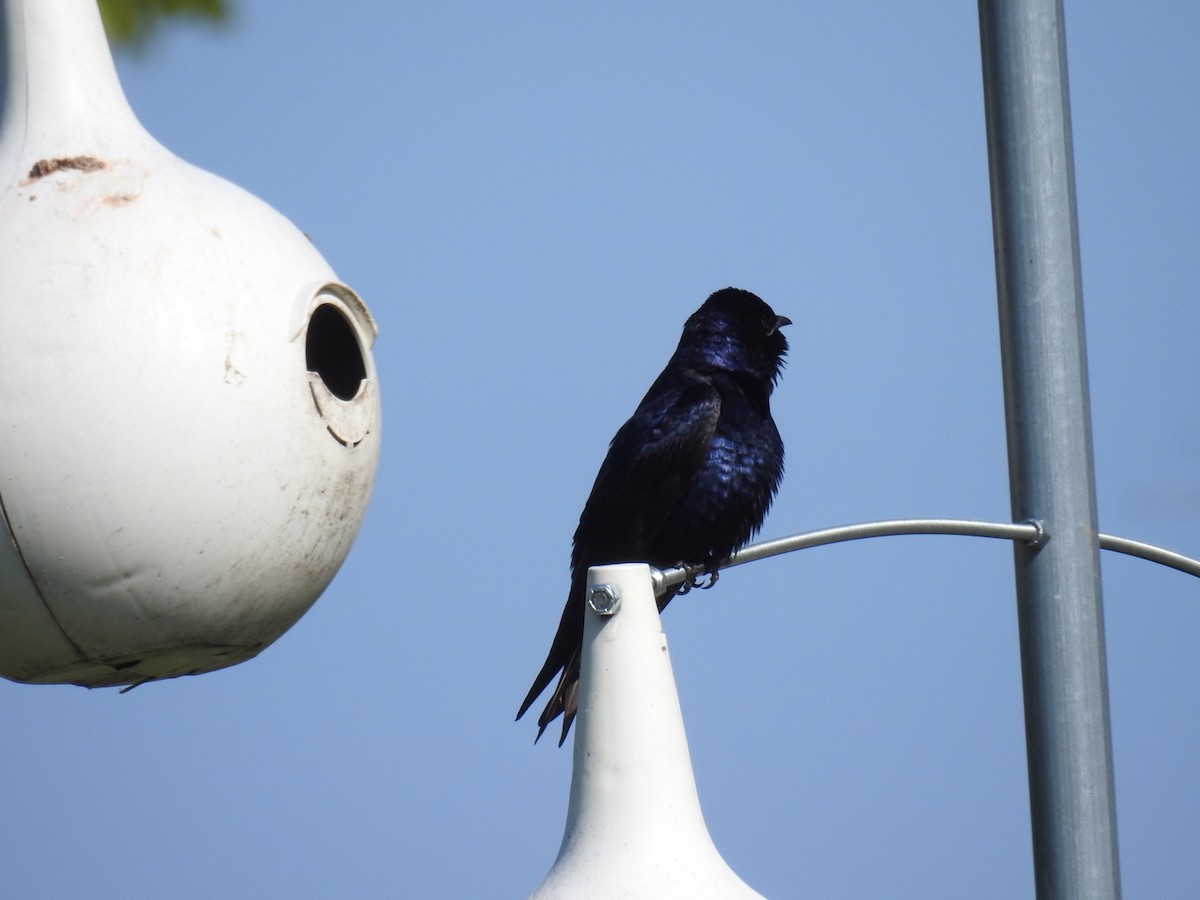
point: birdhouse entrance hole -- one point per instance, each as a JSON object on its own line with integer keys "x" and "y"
{"x": 332, "y": 352}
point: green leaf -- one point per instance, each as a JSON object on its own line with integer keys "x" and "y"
{"x": 133, "y": 23}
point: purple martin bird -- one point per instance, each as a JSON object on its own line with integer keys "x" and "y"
{"x": 688, "y": 479}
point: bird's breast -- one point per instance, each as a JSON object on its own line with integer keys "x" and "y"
{"x": 726, "y": 502}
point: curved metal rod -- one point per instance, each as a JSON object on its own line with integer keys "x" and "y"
{"x": 1152, "y": 553}
{"x": 1031, "y": 531}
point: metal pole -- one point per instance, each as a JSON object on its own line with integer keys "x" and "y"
{"x": 1049, "y": 448}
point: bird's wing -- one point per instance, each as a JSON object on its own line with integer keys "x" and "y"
{"x": 650, "y": 463}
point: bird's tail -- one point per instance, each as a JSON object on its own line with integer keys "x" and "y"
{"x": 563, "y": 658}
{"x": 562, "y": 701}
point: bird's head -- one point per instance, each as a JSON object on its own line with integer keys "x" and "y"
{"x": 735, "y": 330}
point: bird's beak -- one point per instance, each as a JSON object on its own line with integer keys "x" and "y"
{"x": 780, "y": 321}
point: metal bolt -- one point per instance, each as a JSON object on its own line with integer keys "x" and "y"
{"x": 604, "y": 599}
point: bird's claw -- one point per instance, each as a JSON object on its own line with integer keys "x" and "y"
{"x": 695, "y": 578}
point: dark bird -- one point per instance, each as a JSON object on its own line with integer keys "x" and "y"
{"x": 688, "y": 479}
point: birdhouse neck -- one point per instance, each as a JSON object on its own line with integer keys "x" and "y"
{"x": 61, "y": 95}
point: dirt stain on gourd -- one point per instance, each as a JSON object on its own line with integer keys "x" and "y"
{"x": 44, "y": 167}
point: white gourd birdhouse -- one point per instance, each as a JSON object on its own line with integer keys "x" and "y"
{"x": 189, "y": 411}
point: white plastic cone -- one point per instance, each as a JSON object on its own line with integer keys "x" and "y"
{"x": 634, "y": 824}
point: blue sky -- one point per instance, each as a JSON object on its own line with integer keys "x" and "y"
{"x": 531, "y": 198}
